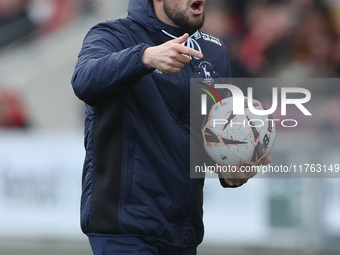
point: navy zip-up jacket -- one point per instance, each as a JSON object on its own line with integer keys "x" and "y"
{"x": 136, "y": 178}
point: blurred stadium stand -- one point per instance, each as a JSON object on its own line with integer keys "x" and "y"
{"x": 41, "y": 156}
{"x": 41, "y": 68}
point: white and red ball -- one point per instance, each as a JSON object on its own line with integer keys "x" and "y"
{"x": 231, "y": 139}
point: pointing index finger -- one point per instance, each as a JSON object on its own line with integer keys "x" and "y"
{"x": 189, "y": 51}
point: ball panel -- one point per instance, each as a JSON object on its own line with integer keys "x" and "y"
{"x": 231, "y": 139}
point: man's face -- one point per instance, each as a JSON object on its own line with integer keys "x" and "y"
{"x": 186, "y": 14}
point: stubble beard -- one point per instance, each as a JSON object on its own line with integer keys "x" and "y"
{"x": 181, "y": 19}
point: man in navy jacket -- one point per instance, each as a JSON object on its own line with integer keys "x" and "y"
{"x": 134, "y": 76}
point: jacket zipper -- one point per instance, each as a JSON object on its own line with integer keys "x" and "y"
{"x": 188, "y": 197}
{"x": 192, "y": 66}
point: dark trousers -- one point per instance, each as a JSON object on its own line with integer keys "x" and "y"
{"x": 120, "y": 244}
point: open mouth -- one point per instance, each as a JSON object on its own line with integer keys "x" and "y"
{"x": 197, "y": 7}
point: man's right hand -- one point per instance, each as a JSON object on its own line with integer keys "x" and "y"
{"x": 238, "y": 178}
{"x": 170, "y": 57}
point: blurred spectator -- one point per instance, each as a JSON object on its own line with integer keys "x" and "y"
{"x": 278, "y": 37}
{"x": 12, "y": 111}
{"x": 315, "y": 45}
{"x": 20, "y": 18}
{"x": 48, "y": 15}
{"x": 266, "y": 44}
{"x": 14, "y": 22}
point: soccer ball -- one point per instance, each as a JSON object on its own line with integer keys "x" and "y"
{"x": 231, "y": 139}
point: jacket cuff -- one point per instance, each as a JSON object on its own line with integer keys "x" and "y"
{"x": 147, "y": 69}
{"x": 226, "y": 185}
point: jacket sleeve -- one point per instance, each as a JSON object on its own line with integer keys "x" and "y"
{"x": 108, "y": 64}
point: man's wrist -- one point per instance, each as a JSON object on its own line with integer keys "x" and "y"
{"x": 145, "y": 58}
